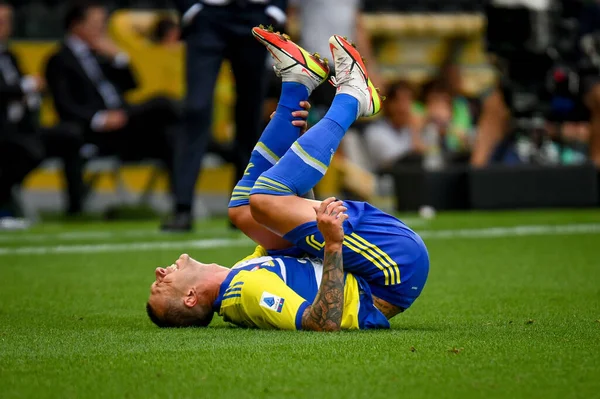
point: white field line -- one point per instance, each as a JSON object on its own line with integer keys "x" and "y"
{"x": 128, "y": 247}
{"x": 90, "y": 235}
{"x": 526, "y": 230}
{"x": 95, "y": 235}
{"x": 493, "y": 232}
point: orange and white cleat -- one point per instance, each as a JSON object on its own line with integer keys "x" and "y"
{"x": 292, "y": 62}
{"x": 351, "y": 76}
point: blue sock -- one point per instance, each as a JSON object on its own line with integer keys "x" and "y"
{"x": 276, "y": 139}
{"x": 307, "y": 160}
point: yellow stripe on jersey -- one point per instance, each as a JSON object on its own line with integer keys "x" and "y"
{"x": 261, "y": 299}
{"x": 387, "y": 261}
{"x": 364, "y": 251}
{"x": 351, "y": 304}
{"x": 264, "y": 302}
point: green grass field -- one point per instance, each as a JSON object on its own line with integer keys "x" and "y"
{"x": 511, "y": 310}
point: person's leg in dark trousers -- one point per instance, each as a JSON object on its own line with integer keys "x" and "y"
{"x": 248, "y": 61}
{"x": 65, "y": 142}
{"x": 150, "y": 132}
{"x": 205, "y": 52}
{"x": 19, "y": 155}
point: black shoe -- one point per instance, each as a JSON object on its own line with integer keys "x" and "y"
{"x": 180, "y": 223}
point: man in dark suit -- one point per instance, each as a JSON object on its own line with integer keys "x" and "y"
{"x": 23, "y": 145}
{"x": 88, "y": 77}
{"x": 215, "y": 30}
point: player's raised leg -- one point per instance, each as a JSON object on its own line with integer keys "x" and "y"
{"x": 301, "y": 73}
{"x": 273, "y": 201}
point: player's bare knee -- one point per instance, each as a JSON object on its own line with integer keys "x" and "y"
{"x": 264, "y": 207}
{"x": 236, "y": 214}
{"x": 260, "y": 205}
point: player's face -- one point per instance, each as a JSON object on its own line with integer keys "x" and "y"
{"x": 181, "y": 271}
{"x": 178, "y": 278}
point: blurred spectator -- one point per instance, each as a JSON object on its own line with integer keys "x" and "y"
{"x": 569, "y": 142}
{"x": 396, "y": 137}
{"x": 166, "y": 32}
{"x": 590, "y": 27}
{"x": 23, "y": 145}
{"x": 215, "y": 30}
{"x": 319, "y": 20}
{"x": 88, "y": 77}
{"x": 446, "y": 116}
{"x": 495, "y": 112}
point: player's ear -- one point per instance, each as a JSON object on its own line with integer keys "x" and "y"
{"x": 190, "y": 299}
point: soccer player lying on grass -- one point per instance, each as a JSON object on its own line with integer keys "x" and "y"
{"x": 266, "y": 204}
{"x": 265, "y": 292}
{"x": 376, "y": 247}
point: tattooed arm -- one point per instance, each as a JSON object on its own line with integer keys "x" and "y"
{"x": 325, "y": 314}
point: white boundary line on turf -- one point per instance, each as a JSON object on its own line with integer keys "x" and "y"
{"x": 128, "y": 247}
{"x": 533, "y": 230}
{"x": 95, "y": 234}
{"x": 526, "y": 230}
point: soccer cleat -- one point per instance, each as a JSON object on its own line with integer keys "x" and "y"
{"x": 292, "y": 62}
{"x": 351, "y": 76}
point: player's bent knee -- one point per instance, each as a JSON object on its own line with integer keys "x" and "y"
{"x": 260, "y": 206}
{"x": 237, "y": 214}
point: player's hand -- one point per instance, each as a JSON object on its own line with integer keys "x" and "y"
{"x": 330, "y": 221}
{"x": 115, "y": 120}
{"x": 303, "y": 114}
{"x": 303, "y": 123}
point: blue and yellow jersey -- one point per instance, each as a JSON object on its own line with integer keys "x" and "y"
{"x": 377, "y": 247}
{"x": 273, "y": 293}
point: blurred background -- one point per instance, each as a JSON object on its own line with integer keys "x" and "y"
{"x": 490, "y": 104}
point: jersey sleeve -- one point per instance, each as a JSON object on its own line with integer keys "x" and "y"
{"x": 265, "y": 301}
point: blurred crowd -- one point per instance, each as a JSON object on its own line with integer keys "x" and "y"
{"x": 433, "y": 124}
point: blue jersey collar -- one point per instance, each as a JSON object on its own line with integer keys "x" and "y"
{"x": 223, "y": 288}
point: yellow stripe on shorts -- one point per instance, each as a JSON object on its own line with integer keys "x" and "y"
{"x": 364, "y": 251}
{"x": 388, "y": 262}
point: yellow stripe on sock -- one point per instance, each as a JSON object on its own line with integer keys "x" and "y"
{"x": 271, "y": 188}
{"x": 308, "y": 159}
{"x": 266, "y": 180}
{"x": 266, "y": 152}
